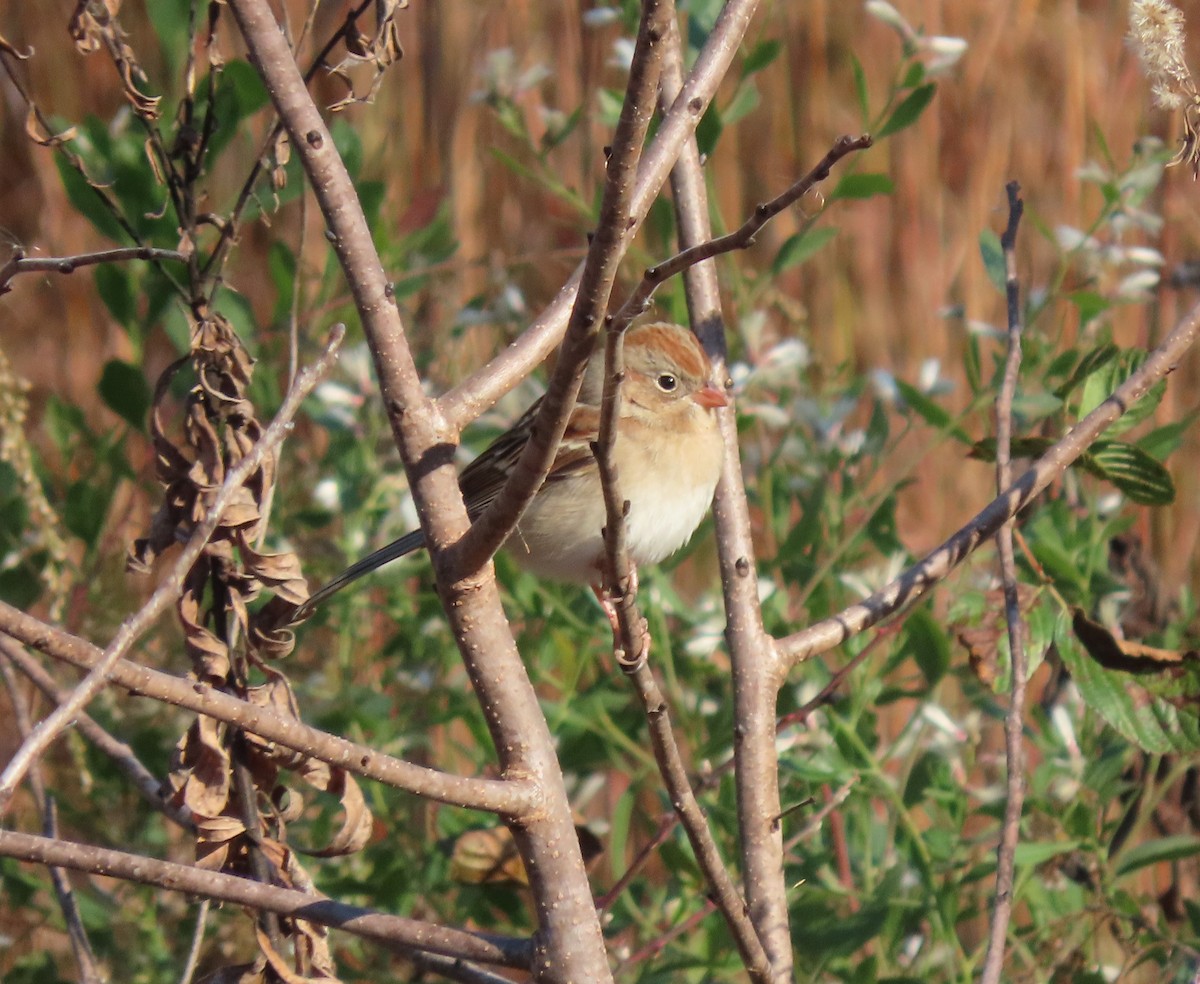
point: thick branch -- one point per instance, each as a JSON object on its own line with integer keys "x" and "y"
{"x": 918, "y": 579}
{"x": 569, "y": 939}
{"x": 394, "y": 932}
{"x": 166, "y": 593}
{"x": 506, "y": 797}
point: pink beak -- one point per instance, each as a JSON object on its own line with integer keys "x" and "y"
{"x": 710, "y": 398}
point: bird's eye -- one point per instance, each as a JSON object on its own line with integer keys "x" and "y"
{"x": 667, "y": 382}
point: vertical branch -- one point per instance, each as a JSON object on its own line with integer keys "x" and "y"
{"x": 1014, "y": 719}
{"x": 755, "y": 676}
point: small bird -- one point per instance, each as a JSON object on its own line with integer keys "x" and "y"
{"x": 668, "y": 455}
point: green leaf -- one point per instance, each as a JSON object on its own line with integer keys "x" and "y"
{"x": 124, "y": 390}
{"x": 1163, "y": 441}
{"x": 993, "y": 259}
{"x": 708, "y": 130}
{"x": 1139, "y": 476}
{"x": 239, "y": 94}
{"x": 85, "y": 509}
{"x": 87, "y": 202}
{"x": 860, "y": 89}
{"x": 1103, "y": 382}
{"x": 1154, "y": 724}
{"x": 1152, "y": 852}
{"x": 862, "y": 186}
{"x": 1090, "y": 363}
{"x": 930, "y": 412}
{"x": 1090, "y": 304}
{"x": 744, "y": 102}
{"x": 909, "y": 110}
{"x": 1031, "y": 854}
{"x": 761, "y": 56}
{"x": 798, "y": 248}
{"x": 928, "y": 644}
{"x": 115, "y": 290}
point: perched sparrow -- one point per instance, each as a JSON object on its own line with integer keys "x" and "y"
{"x": 668, "y": 455}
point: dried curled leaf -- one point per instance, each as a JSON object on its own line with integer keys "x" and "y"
{"x": 1124, "y": 655}
{"x": 379, "y": 49}
{"x": 94, "y": 26}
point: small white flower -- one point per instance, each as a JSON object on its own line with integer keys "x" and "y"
{"x": 1138, "y": 286}
{"x": 622, "y": 53}
{"x": 945, "y": 53}
{"x": 883, "y": 11}
{"x": 600, "y": 16}
{"x": 327, "y": 495}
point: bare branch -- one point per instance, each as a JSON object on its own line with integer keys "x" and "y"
{"x": 132, "y": 628}
{"x": 740, "y": 238}
{"x": 919, "y": 578}
{"x": 19, "y": 263}
{"x": 750, "y": 647}
{"x": 81, "y": 947}
{"x": 570, "y": 941}
{"x": 393, "y": 932}
{"x": 143, "y": 779}
{"x": 510, "y": 798}
{"x": 670, "y": 764}
{"x": 1014, "y": 720}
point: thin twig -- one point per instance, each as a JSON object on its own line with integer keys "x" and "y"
{"x": 81, "y": 947}
{"x": 19, "y": 263}
{"x": 936, "y": 565}
{"x": 1014, "y": 720}
{"x": 193, "y": 957}
{"x": 131, "y": 629}
{"x": 722, "y": 890}
{"x": 740, "y": 238}
{"x": 391, "y": 931}
{"x": 122, "y": 755}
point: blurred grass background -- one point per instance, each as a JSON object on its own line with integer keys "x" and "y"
{"x": 1043, "y": 87}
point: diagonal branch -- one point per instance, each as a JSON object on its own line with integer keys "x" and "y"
{"x": 919, "y": 578}
{"x": 743, "y": 236}
{"x": 132, "y": 628}
{"x": 570, "y": 942}
{"x": 393, "y": 932}
{"x": 510, "y": 798}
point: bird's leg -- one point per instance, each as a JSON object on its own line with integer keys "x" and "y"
{"x": 614, "y": 620}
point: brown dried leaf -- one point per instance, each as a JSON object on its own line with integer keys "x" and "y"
{"x": 36, "y": 130}
{"x": 248, "y": 973}
{"x": 279, "y": 571}
{"x": 487, "y": 856}
{"x": 1121, "y": 654}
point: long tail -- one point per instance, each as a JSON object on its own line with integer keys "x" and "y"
{"x": 384, "y": 555}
